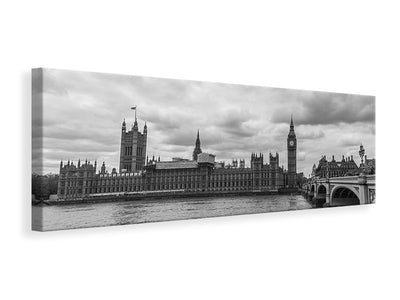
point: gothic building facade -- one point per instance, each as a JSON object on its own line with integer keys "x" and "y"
{"x": 133, "y": 148}
{"x": 344, "y": 167}
{"x": 200, "y": 174}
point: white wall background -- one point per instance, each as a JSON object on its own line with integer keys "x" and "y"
{"x": 341, "y": 46}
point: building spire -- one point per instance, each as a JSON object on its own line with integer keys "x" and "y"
{"x": 124, "y": 126}
{"x": 197, "y": 148}
{"x": 198, "y": 139}
{"x": 291, "y": 131}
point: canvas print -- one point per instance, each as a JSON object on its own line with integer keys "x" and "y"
{"x": 114, "y": 149}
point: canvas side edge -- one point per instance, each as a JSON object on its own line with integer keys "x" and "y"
{"x": 37, "y": 138}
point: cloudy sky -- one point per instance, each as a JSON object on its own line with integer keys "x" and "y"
{"x": 80, "y": 116}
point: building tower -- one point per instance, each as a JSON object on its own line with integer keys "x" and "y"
{"x": 133, "y": 148}
{"x": 242, "y": 164}
{"x": 274, "y": 166}
{"x": 257, "y": 163}
{"x": 197, "y": 149}
{"x": 291, "y": 150}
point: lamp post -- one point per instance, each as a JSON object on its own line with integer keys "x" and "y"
{"x": 327, "y": 168}
{"x": 362, "y": 178}
{"x": 362, "y": 154}
{"x": 328, "y": 188}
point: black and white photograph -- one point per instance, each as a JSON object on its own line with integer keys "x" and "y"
{"x": 193, "y": 150}
{"x": 117, "y": 149}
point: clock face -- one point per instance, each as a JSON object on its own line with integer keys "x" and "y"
{"x": 291, "y": 143}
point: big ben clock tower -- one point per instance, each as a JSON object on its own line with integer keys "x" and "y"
{"x": 291, "y": 150}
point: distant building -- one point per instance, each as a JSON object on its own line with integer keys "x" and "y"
{"x": 345, "y": 167}
{"x": 369, "y": 165}
{"x": 200, "y": 174}
{"x": 242, "y": 164}
{"x": 77, "y": 180}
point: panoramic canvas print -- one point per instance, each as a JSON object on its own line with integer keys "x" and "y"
{"x": 113, "y": 149}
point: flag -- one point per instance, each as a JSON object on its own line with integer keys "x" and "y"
{"x": 133, "y": 107}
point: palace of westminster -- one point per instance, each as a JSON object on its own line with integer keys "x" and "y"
{"x": 139, "y": 174}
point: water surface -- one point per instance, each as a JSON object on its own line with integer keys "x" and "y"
{"x": 119, "y": 213}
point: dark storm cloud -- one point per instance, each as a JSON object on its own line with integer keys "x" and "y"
{"x": 330, "y": 108}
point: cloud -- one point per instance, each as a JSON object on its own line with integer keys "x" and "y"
{"x": 234, "y": 122}
{"x": 182, "y": 138}
{"x": 330, "y": 108}
{"x": 350, "y": 140}
{"x": 306, "y": 132}
{"x": 81, "y": 113}
{"x": 301, "y": 156}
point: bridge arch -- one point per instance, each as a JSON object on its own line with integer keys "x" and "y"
{"x": 342, "y": 195}
{"x": 320, "y": 195}
{"x": 312, "y": 190}
{"x": 321, "y": 190}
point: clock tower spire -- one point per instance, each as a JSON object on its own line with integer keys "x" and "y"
{"x": 291, "y": 150}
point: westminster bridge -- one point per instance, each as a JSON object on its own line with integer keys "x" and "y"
{"x": 339, "y": 191}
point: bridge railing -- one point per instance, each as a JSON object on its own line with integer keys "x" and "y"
{"x": 340, "y": 180}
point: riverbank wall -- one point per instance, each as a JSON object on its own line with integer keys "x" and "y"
{"x": 160, "y": 196}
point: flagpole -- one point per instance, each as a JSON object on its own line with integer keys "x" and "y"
{"x": 135, "y": 109}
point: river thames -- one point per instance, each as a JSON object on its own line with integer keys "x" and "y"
{"x": 133, "y": 212}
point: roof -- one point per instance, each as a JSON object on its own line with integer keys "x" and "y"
{"x": 176, "y": 165}
{"x": 206, "y": 158}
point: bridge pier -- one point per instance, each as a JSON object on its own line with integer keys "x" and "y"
{"x": 310, "y": 196}
{"x": 320, "y": 202}
{"x": 363, "y": 187}
{"x": 328, "y": 198}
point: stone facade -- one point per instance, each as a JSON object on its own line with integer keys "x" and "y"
{"x": 138, "y": 175}
{"x": 345, "y": 167}
{"x": 77, "y": 180}
{"x": 133, "y": 149}
{"x": 202, "y": 176}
